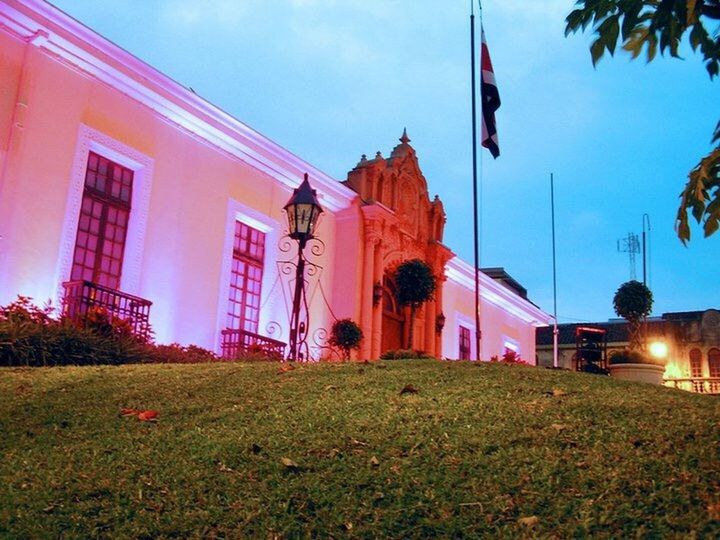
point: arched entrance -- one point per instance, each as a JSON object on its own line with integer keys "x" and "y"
{"x": 393, "y": 318}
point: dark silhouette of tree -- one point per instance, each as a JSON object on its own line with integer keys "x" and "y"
{"x": 662, "y": 24}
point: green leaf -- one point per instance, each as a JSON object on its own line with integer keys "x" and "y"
{"x": 596, "y": 50}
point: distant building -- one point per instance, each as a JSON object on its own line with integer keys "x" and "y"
{"x": 121, "y": 188}
{"x": 689, "y": 340}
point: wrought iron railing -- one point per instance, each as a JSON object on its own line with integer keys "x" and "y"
{"x": 699, "y": 385}
{"x": 80, "y": 296}
{"x": 237, "y": 343}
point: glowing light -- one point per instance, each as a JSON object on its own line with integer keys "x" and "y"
{"x": 659, "y": 349}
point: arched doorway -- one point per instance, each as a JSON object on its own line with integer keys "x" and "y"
{"x": 393, "y": 318}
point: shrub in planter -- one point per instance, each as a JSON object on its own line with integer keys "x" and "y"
{"x": 347, "y": 335}
{"x": 636, "y": 366}
{"x": 633, "y": 301}
{"x": 629, "y": 356}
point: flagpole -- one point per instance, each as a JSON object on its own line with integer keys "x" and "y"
{"x": 478, "y": 331}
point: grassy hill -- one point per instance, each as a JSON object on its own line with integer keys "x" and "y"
{"x": 337, "y": 450}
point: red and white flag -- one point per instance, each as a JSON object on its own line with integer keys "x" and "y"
{"x": 490, "y": 100}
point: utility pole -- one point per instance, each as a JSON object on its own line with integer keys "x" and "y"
{"x": 646, "y": 217}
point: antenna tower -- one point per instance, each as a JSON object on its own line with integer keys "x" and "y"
{"x": 631, "y": 246}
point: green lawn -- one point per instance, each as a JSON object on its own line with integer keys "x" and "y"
{"x": 336, "y": 450}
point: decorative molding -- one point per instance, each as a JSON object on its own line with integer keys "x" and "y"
{"x": 64, "y": 38}
{"x": 88, "y": 140}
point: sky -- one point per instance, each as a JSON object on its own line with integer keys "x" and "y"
{"x": 333, "y": 79}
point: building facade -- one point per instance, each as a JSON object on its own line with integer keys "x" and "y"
{"x": 689, "y": 341}
{"x": 120, "y": 186}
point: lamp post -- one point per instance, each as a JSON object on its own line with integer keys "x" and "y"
{"x": 303, "y": 211}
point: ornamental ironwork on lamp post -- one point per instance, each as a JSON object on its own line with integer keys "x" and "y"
{"x": 303, "y": 211}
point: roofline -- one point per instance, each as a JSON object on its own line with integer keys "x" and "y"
{"x": 49, "y": 29}
{"x": 497, "y": 294}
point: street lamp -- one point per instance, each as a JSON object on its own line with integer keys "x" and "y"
{"x": 303, "y": 211}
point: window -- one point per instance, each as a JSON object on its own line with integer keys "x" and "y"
{"x": 695, "y": 363}
{"x": 246, "y": 278}
{"x": 102, "y": 228}
{"x": 714, "y": 362}
{"x": 464, "y": 343}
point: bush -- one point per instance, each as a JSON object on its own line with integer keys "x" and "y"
{"x": 403, "y": 354}
{"x": 508, "y": 357}
{"x": 32, "y": 336}
{"x": 62, "y": 343}
{"x": 347, "y": 335}
{"x": 629, "y": 356}
{"x": 177, "y": 354}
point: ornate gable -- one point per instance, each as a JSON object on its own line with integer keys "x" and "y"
{"x": 397, "y": 183}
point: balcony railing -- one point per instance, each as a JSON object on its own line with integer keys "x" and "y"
{"x": 699, "y": 385}
{"x": 237, "y": 343}
{"x": 80, "y": 296}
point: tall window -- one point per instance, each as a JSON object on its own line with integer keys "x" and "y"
{"x": 695, "y": 363}
{"x": 714, "y": 362}
{"x": 246, "y": 278}
{"x": 102, "y": 228}
{"x": 464, "y": 343}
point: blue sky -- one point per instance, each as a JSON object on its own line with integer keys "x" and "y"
{"x": 333, "y": 79}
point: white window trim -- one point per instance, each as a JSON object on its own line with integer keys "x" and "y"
{"x": 237, "y": 211}
{"x": 142, "y": 166}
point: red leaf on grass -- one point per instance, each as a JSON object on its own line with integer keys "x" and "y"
{"x": 148, "y": 416}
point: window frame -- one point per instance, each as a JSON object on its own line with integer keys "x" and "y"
{"x": 464, "y": 332}
{"x": 107, "y": 202}
{"x": 273, "y": 307}
{"x": 249, "y": 261}
{"x": 88, "y": 140}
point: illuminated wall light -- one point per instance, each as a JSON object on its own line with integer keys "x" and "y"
{"x": 659, "y": 349}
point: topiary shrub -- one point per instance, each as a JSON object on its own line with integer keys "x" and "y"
{"x": 633, "y": 301}
{"x": 404, "y": 354}
{"x": 629, "y": 356}
{"x": 346, "y": 335}
{"x": 415, "y": 285}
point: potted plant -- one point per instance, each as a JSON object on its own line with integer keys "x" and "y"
{"x": 636, "y": 366}
{"x": 633, "y": 301}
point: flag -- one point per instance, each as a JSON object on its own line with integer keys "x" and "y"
{"x": 490, "y": 100}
